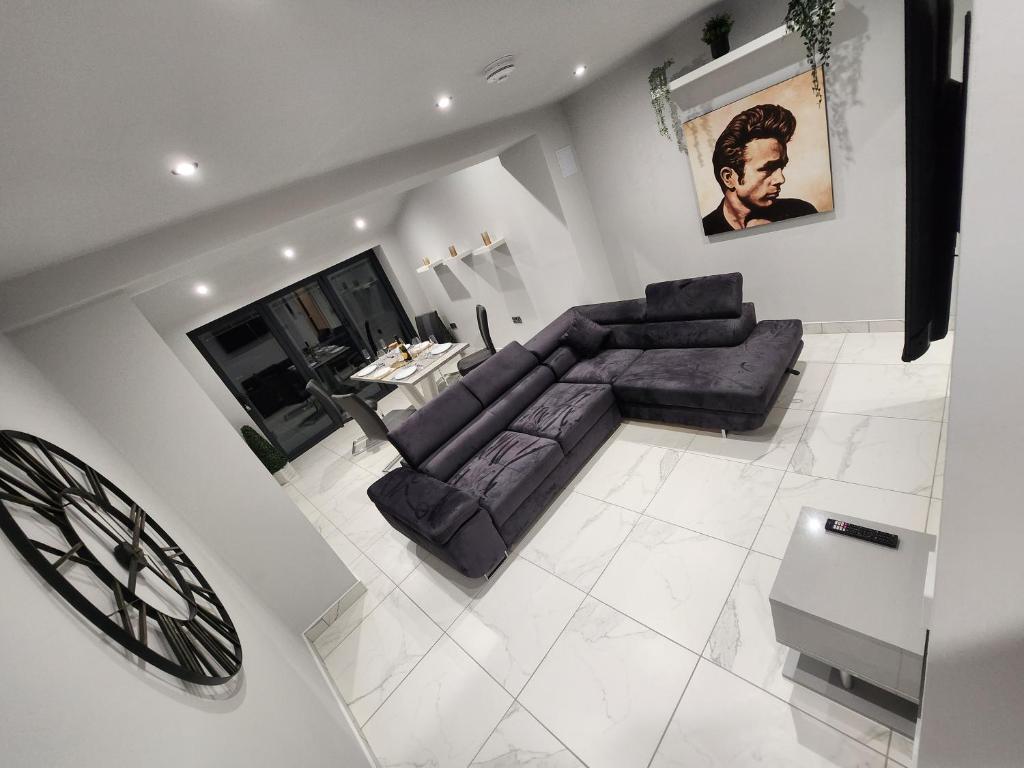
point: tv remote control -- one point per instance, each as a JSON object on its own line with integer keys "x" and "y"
{"x": 864, "y": 534}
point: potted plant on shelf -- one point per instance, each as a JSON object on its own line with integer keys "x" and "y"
{"x": 275, "y": 461}
{"x": 716, "y": 34}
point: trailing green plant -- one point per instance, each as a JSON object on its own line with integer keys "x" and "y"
{"x": 662, "y": 102}
{"x": 717, "y": 27}
{"x": 813, "y": 19}
{"x": 271, "y": 457}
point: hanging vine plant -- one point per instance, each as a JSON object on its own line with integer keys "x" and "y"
{"x": 664, "y": 108}
{"x": 813, "y": 19}
{"x": 658, "y": 81}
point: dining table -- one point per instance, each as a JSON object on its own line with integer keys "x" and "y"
{"x": 418, "y": 377}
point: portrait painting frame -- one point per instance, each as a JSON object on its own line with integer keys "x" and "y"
{"x": 762, "y": 158}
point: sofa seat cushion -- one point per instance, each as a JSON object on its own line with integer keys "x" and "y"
{"x": 741, "y": 379}
{"x": 506, "y": 471}
{"x": 565, "y": 412}
{"x": 603, "y": 368}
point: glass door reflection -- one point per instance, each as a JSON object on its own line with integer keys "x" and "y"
{"x": 368, "y": 300}
{"x": 332, "y": 347}
{"x": 264, "y": 378}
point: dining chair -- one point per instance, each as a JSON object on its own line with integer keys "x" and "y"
{"x": 471, "y": 361}
{"x": 364, "y": 413}
{"x": 430, "y": 324}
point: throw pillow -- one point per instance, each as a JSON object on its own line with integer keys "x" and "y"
{"x": 584, "y": 336}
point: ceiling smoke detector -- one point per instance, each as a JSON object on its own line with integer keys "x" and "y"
{"x": 500, "y": 70}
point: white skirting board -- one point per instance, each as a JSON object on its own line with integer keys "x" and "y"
{"x": 337, "y": 608}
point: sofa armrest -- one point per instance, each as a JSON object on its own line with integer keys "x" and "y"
{"x": 428, "y": 506}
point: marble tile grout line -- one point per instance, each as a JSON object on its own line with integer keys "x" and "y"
{"x": 675, "y": 709}
{"x": 640, "y": 515}
{"x": 561, "y": 632}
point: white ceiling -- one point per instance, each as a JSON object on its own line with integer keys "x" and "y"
{"x": 98, "y": 98}
{"x": 247, "y": 269}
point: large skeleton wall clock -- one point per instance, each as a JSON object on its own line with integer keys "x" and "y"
{"x": 112, "y": 563}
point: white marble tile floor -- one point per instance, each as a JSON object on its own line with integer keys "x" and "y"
{"x": 631, "y": 627}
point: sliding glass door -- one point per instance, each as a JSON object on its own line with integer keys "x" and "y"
{"x": 316, "y": 329}
{"x": 369, "y": 300}
{"x": 268, "y": 382}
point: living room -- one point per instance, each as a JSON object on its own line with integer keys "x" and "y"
{"x": 544, "y": 427}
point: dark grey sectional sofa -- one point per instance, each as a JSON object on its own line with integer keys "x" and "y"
{"x": 483, "y": 459}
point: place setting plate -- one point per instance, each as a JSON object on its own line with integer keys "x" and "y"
{"x": 404, "y": 373}
{"x": 440, "y": 349}
{"x": 371, "y": 368}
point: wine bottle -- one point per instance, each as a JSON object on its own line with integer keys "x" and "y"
{"x": 403, "y": 350}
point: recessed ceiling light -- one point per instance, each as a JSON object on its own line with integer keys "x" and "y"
{"x": 580, "y": 70}
{"x": 202, "y": 289}
{"x": 360, "y": 223}
{"x": 444, "y": 102}
{"x": 288, "y": 253}
{"x": 185, "y": 168}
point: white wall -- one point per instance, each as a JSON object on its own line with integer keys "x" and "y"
{"x": 974, "y": 695}
{"x": 555, "y": 255}
{"x": 110, "y": 364}
{"x": 846, "y": 265}
{"x": 72, "y": 698}
{"x": 536, "y": 276}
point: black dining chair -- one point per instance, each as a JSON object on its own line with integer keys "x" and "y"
{"x": 362, "y": 412}
{"x": 430, "y": 324}
{"x": 471, "y": 361}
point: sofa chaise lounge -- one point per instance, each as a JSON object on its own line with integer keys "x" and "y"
{"x": 482, "y": 460}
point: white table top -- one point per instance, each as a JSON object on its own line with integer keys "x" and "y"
{"x": 426, "y": 364}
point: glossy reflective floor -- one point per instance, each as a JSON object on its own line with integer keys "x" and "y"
{"x": 631, "y": 628}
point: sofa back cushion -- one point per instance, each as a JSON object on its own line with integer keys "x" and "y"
{"x": 609, "y": 312}
{"x": 431, "y": 426}
{"x": 495, "y": 418}
{"x": 696, "y": 298}
{"x": 549, "y": 338}
{"x": 561, "y": 360}
{"x": 499, "y": 372}
{"x": 682, "y": 334}
{"x": 627, "y": 336}
{"x": 685, "y": 334}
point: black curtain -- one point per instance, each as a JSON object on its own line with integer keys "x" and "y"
{"x": 935, "y": 111}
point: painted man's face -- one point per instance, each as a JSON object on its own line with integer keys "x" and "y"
{"x": 762, "y": 180}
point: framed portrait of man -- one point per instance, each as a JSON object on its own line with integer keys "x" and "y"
{"x": 763, "y": 158}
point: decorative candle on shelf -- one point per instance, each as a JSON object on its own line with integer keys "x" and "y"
{"x": 485, "y": 237}
{"x": 453, "y": 251}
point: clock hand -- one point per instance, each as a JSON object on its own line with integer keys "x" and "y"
{"x": 139, "y": 522}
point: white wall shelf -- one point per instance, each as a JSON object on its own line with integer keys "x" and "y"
{"x": 459, "y": 256}
{"x": 723, "y": 61}
{"x": 488, "y": 248}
